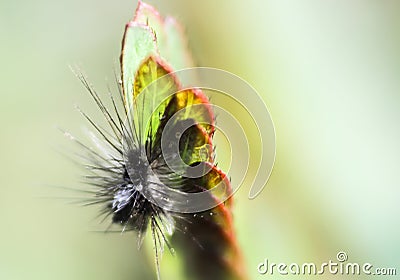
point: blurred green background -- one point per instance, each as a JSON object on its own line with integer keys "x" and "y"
{"x": 328, "y": 72}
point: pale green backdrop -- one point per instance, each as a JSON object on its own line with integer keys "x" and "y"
{"x": 328, "y": 72}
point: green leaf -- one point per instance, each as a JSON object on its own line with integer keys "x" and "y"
{"x": 152, "y": 48}
{"x": 154, "y": 86}
{"x": 148, "y": 34}
{"x": 171, "y": 40}
{"x": 139, "y": 42}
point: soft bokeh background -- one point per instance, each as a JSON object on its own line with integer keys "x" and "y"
{"x": 328, "y": 72}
